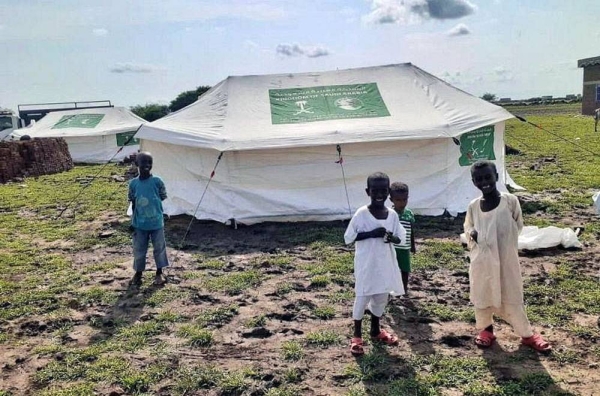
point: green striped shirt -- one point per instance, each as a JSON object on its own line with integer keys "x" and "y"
{"x": 407, "y": 219}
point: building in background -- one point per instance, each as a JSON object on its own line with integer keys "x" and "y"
{"x": 591, "y": 84}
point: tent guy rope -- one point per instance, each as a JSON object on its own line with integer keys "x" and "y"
{"x": 557, "y": 136}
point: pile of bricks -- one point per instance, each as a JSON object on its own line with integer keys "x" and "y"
{"x": 33, "y": 158}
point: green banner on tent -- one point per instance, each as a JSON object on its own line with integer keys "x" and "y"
{"x": 124, "y": 136}
{"x": 477, "y": 145}
{"x": 79, "y": 121}
{"x": 333, "y": 102}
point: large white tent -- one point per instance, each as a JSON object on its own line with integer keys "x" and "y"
{"x": 93, "y": 135}
{"x": 280, "y": 134}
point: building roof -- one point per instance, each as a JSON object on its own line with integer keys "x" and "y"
{"x": 588, "y": 62}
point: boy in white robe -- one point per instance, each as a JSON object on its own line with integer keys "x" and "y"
{"x": 374, "y": 228}
{"x": 492, "y": 226}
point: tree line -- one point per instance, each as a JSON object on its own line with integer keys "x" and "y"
{"x": 154, "y": 111}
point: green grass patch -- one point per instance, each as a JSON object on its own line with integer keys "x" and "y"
{"x": 285, "y": 390}
{"x": 167, "y": 294}
{"x": 217, "y": 317}
{"x": 292, "y": 351}
{"x": 84, "y": 389}
{"x": 324, "y": 312}
{"x": 197, "y": 336}
{"x": 446, "y": 313}
{"x": 553, "y": 301}
{"x": 281, "y": 261}
{"x": 257, "y": 321}
{"x": 209, "y": 264}
{"x": 323, "y": 338}
{"x": 320, "y": 281}
{"x": 97, "y": 295}
{"x": 233, "y": 283}
{"x": 191, "y": 379}
{"x": 283, "y": 288}
{"x": 435, "y": 255}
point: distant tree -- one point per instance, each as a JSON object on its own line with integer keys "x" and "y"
{"x": 490, "y": 97}
{"x": 151, "y": 112}
{"x": 187, "y": 98}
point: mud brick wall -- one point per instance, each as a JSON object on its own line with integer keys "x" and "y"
{"x": 33, "y": 158}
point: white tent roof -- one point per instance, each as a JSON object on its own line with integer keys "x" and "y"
{"x": 249, "y": 112}
{"x": 99, "y": 121}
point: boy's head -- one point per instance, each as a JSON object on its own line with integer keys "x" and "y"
{"x": 378, "y": 188}
{"x": 399, "y": 195}
{"x": 144, "y": 163}
{"x": 484, "y": 176}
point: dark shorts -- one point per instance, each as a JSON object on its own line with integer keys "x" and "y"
{"x": 403, "y": 257}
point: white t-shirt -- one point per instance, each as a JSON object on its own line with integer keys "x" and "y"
{"x": 375, "y": 267}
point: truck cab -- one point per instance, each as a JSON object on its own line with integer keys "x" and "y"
{"x": 9, "y": 121}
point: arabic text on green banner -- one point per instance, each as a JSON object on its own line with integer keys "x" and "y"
{"x": 333, "y": 102}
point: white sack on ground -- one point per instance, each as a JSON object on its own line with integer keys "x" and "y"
{"x": 596, "y": 198}
{"x": 532, "y": 238}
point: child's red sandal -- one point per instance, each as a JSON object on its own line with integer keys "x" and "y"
{"x": 536, "y": 342}
{"x": 485, "y": 339}
{"x": 356, "y": 346}
{"x": 386, "y": 338}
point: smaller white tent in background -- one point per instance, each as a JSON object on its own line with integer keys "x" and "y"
{"x": 93, "y": 135}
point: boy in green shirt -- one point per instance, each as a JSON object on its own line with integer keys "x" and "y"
{"x": 399, "y": 197}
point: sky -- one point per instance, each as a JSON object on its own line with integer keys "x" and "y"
{"x": 137, "y": 52}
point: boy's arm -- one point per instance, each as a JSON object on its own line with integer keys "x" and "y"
{"x": 413, "y": 246}
{"x": 376, "y": 233}
{"x": 398, "y": 233}
{"x": 352, "y": 234}
{"x": 162, "y": 190}
{"x": 131, "y": 196}
{"x": 469, "y": 227}
{"x": 517, "y": 213}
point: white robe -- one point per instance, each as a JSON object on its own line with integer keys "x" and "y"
{"x": 495, "y": 272}
{"x": 376, "y": 270}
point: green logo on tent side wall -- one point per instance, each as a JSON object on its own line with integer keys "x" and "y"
{"x": 332, "y": 102}
{"x": 477, "y": 145}
{"x": 123, "y": 136}
{"x": 79, "y": 121}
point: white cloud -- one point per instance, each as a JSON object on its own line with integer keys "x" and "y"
{"x": 410, "y": 11}
{"x": 299, "y": 50}
{"x": 459, "y": 30}
{"x": 251, "y": 44}
{"x": 100, "y": 32}
{"x": 350, "y": 14}
{"x": 503, "y": 75}
{"x": 53, "y": 20}
{"x": 133, "y": 68}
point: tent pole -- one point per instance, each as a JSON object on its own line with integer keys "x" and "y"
{"x": 341, "y": 162}
{"x": 212, "y": 174}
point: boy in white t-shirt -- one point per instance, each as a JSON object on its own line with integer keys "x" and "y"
{"x": 374, "y": 228}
